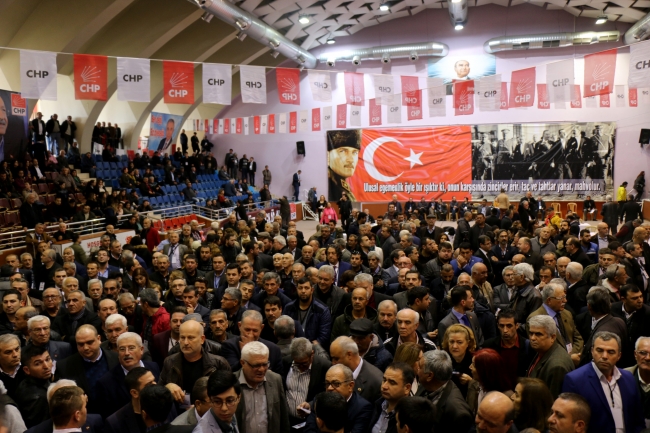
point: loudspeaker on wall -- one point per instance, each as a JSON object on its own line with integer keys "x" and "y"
{"x": 300, "y": 147}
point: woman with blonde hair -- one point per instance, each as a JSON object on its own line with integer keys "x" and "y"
{"x": 410, "y": 353}
{"x": 460, "y": 343}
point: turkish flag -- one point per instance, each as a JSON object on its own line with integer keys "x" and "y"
{"x": 504, "y": 95}
{"x": 542, "y": 97}
{"x": 90, "y": 77}
{"x": 599, "y": 72}
{"x": 464, "y": 97}
{"x": 239, "y": 125}
{"x": 374, "y": 113}
{"x": 256, "y": 124}
{"x": 411, "y": 97}
{"x": 633, "y": 97}
{"x": 421, "y": 155}
{"x": 577, "y": 99}
{"x": 354, "y": 93}
{"x": 341, "y": 115}
{"x": 604, "y": 100}
{"x": 315, "y": 119}
{"x": 178, "y": 82}
{"x": 293, "y": 122}
{"x": 414, "y": 112}
{"x": 522, "y": 88}
{"x": 271, "y": 121}
{"x": 226, "y": 126}
{"x": 215, "y": 126}
{"x": 288, "y": 81}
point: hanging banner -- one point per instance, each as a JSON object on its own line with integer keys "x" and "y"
{"x": 437, "y": 97}
{"x": 394, "y": 114}
{"x": 303, "y": 119}
{"x": 522, "y": 88}
{"x": 488, "y": 93}
{"x": 178, "y": 82}
{"x": 384, "y": 88}
{"x": 215, "y": 126}
{"x": 217, "y": 83}
{"x": 633, "y": 97}
{"x": 15, "y": 138}
{"x": 599, "y": 72}
{"x": 374, "y": 113}
{"x": 620, "y": 96}
{"x": 226, "y": 126}
{"x": 464, "y": 97}
{"x": 604, "y": 101}
{"x": 38, "y": 75}
{"x": 293, "y": 122}
{"x": 355, "y": 116}
{"x": 264, "y": 124}
{"x": 133, "y": 79}
{"x": 542, "y": 97}
{"x": 576, "y": 102}
{"x": 315, "y": 119}
{"x": 271, "y": 121}
{"x": 411, "y": 97}
{"x": 288, "y": 81}
{"x": 354, "y": 90}
{"x": 90, "y": 77}
{"x": 560, "y": 81}
{"x": 196, "y": 124}
{"x": 320, "y": 85}
{"x": 639, "y": 70}
{"x": 239, "y": 125}
{"x": 341, "y": 115}
{"x": 253, "y": 84}
{"x": 590, "y": 102}
{"x": 415, "y": 112}
{"x": 327, "y": 117}
{"x": 207, "y": 125}
{"x": 504, "y": 95}
{"x": 643, "y": 96}
{"x": 257, "y": 124}
{"x": 163, "y": 131}
{"x": 246, "y": 122}
{"x": 282, "y": 123}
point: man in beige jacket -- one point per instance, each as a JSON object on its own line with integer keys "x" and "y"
{"x": 502, "y": 202}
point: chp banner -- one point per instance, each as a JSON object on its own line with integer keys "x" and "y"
{"x": 288, "y": 82}
{"x": 446, "y": 161}
{"x": 178, "y": 82}
{"x": 522, "y": 88}
{"x": 90, "y": 77}
{"x": 599, "y": 73}
{"x": 639, "y": 75}
{"x": 253, "y": 84}
{"x": 14, "y": 138}
{"x": 164, "y": 132}
{"x": 217, "y": 83}
{"x": 354, "y": 90}
{"x": 320, "y": 85}
{"x": 133, "y": 79}
{"x": 38, "y": 75}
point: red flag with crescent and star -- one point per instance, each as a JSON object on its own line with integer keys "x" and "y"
{"x": 427, "y": 159}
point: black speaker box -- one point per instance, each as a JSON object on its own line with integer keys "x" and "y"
{"x": 300, "y": 147}
{"x": 644, "y": 137}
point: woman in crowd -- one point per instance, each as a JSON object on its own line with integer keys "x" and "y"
{"x": 140, "y": 280}
{"x": 533, "y": 402}
{"x": 487, "y": 375}
{"x": 328, "y": 214}
{"x": 460, "y": 343}
{"x": 410, "y": 353}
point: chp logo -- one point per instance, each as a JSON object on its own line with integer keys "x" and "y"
{"x": 90, "y": 75}
{"x": 410, "y": 96}
{"x": 523, "y": 88}
{"x": 18, "y": 105}
{"x": 465, "y": 101}
{"x": 288, "y": 88}
{"x": 599, "y": 75}
{"x": 178, "y": 82}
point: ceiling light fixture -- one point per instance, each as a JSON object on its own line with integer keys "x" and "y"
{"x": 384, "y": 7}
{"x": 331, "y": 41}
{"x": 274, "y": 54}
{"x": 602, "y": 19}
{"x": 304, "y": 19}
{"x": 459, "y": 27}
{"x": 241, "y": 36}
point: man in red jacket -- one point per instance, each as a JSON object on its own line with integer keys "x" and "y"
{"x": 157, "y": 318}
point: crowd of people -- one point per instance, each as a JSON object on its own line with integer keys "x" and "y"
{"x": 385, "y": 323}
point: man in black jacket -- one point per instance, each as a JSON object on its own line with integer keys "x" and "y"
{"x": 75, "y": 316}
{"x": 575, "y": 252}
{"x": 31, "y": 394}
{"x": 636, "y": 316}
{"x": 631, "y": 210}
{"x": 398, "y": 379}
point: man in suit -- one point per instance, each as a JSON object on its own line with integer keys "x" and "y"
{"x": 165, "y": 340}
{"x": 554, "y": 298}
{"x": 69, "y": 404}
{"x": 39, "y": 335}
{"x": 368, "y": 380}
{"x": 250, "y": 329}
{"x": 465, "y": 260}
{"x": 69, "y": 322}
{"x": 636, "y": 316}
{"x": 128, "y": 418}
{"x": 165, "y": 143}
{"x": 333, "y": 255}
{"x": 397, "y": 381}
{"x": 609, "y": 212}
{"x": 431, "y": 230}
{"x": 175, "y": 251}
{"x": 252, "y": 169}
{"x": 112, "y": 392}
{"x": 255, "y": 378}
{"x": 552, "y": 362}
{"x": 38, "y": 131}
{"x": 452, "y": 413}
{"x": 156, "y": 403}
{"x": 631, "y": 210}
{"x": 201, "y": 404}
{"x": 599, "y": 309}
{"x": 296, "y": 184}
{"x": 620, "y": 408}
{"x": 484, "y": 252}
{"x": 463, "y": 303}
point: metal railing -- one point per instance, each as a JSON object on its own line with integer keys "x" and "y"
{"x": 219, "y": 214}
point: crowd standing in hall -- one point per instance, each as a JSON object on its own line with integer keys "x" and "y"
{"x": 517, "y": 319}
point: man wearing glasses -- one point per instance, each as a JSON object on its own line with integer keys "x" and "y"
{"x": 263, "y": 406}
{"x": 554, "y": 298}
{"x": 224, "y": 395}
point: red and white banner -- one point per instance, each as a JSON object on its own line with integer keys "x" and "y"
{"x": 293, "y": 122}
{"x": 226, "y": 126}
{"x": 522, "y": 88}
{"x": 38, "y": 75}
{"x": 239, "y": 126}
{"x": 604, "y": 101}
{"x": 542, "y": 97}
{"x": 315, "y": 119}
{"x": 341, "y": 116}
{"x": 178, "y": 82}
{"x": 206, "y": 126}
{"x": 354, "y": 90}
{"x": 577, "y": 99}
{"x": 246, "y": 121}
{"x": 633, "y": 97}
{"x": 414, "y": 112}
{"x": 90, "y": 77}
{"x": 504, "y": 95}
{"x": 215, "y": 126}
{"x": 464, "y": 97}
{"x": 271, "y": 124}
{"x": 599, "y": 72}
{"x": 257, "y": 124}
{"x": 374, "y": 113}
{"x": 410, "y": 95}
{"x": 288, "y": 81}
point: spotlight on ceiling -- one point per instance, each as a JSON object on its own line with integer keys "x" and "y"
{"x": 459, "y": 27}
{"x": 385, "y": 58}
{"x": 207, "y": 17}
{"x": 601, "y": 19}
{"x": 241, "y": 36}
{"x": 331, "y": 40}
{"x": 304, "y": 19}
{"x": 384, "y": 7}
{"x": 274, "y": 54}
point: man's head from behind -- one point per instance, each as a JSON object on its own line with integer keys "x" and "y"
{"x": 331, "y": 412}
{"x": 68, "y": 407}
{"x": 495, "y": 413}
{"x": 414, "y": 414}
{"x": 155, "y": 404}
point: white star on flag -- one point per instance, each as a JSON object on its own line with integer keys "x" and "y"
{"x": 414, "y": 158}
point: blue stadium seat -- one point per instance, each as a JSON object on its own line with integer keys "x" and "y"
{"x": 98, "y": 158}
{"x": 115, "y": 183}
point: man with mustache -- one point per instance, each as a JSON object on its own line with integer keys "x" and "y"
{"x": 342, "y": 156}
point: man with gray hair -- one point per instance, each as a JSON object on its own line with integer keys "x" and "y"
{"x": 526, "y": 298}
{"x": 284, "y": 329}
{"x": 434, "y": 376}
{"x": 263, "y": 405}
{"x": 328, "y": 293}
{"x": 368, "y": 378}
{"x": 577, "y": 288}
{"x": 40, "y": 335}
{"x": 552, "y": 362}
{"x": 554, "y": 298}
